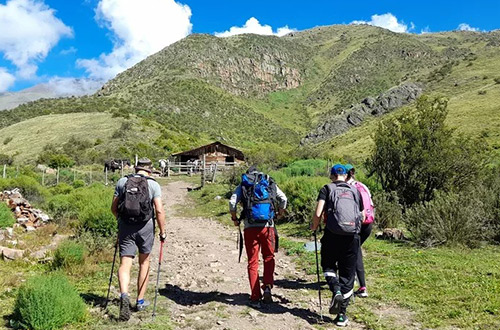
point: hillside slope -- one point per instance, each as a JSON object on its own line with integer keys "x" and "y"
{"x": 248, "y": 89}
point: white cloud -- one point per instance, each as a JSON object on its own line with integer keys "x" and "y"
{"x": 6, "y": 79}
{"x": 33, "y": 30}
{"x": 467, "y": 27}
{"x": 140, "y": 28}
{"x": 67, "y": 51}
{"x": 425, "y": 30}
{"x": 387, "y": 21}
{"x": 254, "y": 26}
{"x": 72, "y": 86}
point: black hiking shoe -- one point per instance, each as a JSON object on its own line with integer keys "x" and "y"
{"x": 268, "y": 298}
{"x": 255, "y": 304}
{"x": 124, "y": 308}
{"x": 341, "y": 320}
{"x": 337, "y": 300}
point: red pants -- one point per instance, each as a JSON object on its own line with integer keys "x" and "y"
{"x": 255, "y": 239}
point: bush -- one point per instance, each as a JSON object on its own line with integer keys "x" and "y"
{"x": 60, "y": 161}
{"x": 416, "y": 154}
{"x": 388, "y": 211}
{"x": 68, "y": 255}
{"x": 6, "y": 159}
{"x": 302, "y": 193}
{"x": 62, "y": 188}
{"x": 29, "y": 187}
{"x": 99, "y": 221}
{"x": 6, "y": 216}
{"x": 497, "y": 80}
{"x": 78, "y": 184}
{"x": 48, "y": 302}
{"x": 451, "y": 218}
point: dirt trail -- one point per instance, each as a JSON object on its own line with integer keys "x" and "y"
{"x": 204, "y": 287}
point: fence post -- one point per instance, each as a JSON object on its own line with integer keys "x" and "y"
{"x": 4, "y": 171}
{"x": 106, "y": 176}
{"x": 57, "y": 176}
{"x": 43, "y": 177}
{"x": 121, "y": 169}
{"x": 168, "y": 170}
{"x": 74, "y": 175}
{"x": 90, "y": 175}
{"x": 215, "y": 173}
{"x": 203, "y": 171}
{"x": 17, "y": 171}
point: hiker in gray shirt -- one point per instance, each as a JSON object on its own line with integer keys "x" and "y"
{"x": 137, "y": 198}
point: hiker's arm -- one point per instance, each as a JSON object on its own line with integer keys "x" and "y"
{"x": 233, "y": 203}
{"x": 160, "y": 214}
{"x": 114, "y": 206}
{"x": 282, "y": 202}
{"x": 317, "y": 214}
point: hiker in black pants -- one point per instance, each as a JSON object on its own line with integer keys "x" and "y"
{"x": 342, "y": 206}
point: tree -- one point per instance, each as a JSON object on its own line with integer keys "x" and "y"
{"x": 416, "y": 154}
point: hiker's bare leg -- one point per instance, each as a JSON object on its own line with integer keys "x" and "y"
{"x": 142, "y": 279}
{"x": 124, "y": 273}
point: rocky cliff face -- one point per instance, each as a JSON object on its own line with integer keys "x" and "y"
{"x": 386, "y": 102}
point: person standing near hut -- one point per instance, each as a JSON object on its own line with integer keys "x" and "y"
{"x": 258, "y": 194}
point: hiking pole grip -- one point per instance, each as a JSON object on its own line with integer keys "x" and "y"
{"x": 111, "y": 276}
{"x": 158, "y": 278}
{"x": 317, "y": 273}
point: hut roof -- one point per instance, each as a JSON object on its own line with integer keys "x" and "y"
{"x": 213, "y": 147}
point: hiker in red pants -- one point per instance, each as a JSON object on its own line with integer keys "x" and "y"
{"x": 258, "y": 194}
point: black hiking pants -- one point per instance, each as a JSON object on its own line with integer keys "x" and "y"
{"x": 360, "y": 267}
{"x": 339, "y": 255}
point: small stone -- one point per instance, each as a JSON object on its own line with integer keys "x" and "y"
{"x": 197, "y": 318}
{"x": 219, "y": 322}
{"x": 22, "y": 220}
{"x": 217, "y": 198}
{"x": 30, "y": 228}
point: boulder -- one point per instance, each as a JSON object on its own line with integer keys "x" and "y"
{"x": 12, "y": 254}
{"x": 391, "y": 234}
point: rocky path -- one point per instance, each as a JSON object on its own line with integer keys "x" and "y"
{"x": 204, "y": 287}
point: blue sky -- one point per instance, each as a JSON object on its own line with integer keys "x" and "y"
{"x": 42, "y": 40}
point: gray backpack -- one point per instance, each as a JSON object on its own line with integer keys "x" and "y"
{"x": 342, "y": 206}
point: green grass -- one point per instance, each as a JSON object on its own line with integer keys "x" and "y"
{"x": 6, "y": 216}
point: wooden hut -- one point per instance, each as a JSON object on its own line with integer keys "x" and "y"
{"x": 214, "y": 153}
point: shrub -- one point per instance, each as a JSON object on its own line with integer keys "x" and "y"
{"x": 451, "y": 218}
{"x": 416, "y": 154}
{"x": 7, "y": 140}
{"x": 48, "y": 302}
{"x": 497, "y": 80}
{"x": 61, "y": 188}
{"x": 99, "y": 220}
{"x": 6, "y": 159}
{"x": 29, "y": 187}
{"x": 388, "y": 212}
{"x": 302, "y": 193}
{"x": 78, "y": 184}
{"x": 6, "y": 216}
{"x": 68, "y": 255}
{"x": 60, "y": 161}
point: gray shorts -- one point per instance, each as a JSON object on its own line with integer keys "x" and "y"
{"x": 133, "y": 237}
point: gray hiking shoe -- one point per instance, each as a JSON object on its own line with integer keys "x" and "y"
{"x": 124, "y": 308}
{"x": 337, "y": 299}
{"x": 142, "y": 305}
{"x": 268, "y": 298}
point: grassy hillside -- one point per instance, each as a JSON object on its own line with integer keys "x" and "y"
{"x": 251, "y": 90}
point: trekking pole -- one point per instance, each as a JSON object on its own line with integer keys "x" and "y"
{"x": 111, "y": 275}
{"x": 158, "y": 278}
{"x": 240, "y": 241}
{"x": 317, "y": 273}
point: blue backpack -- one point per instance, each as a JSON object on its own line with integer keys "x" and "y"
{"x": 259, "y": 196}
